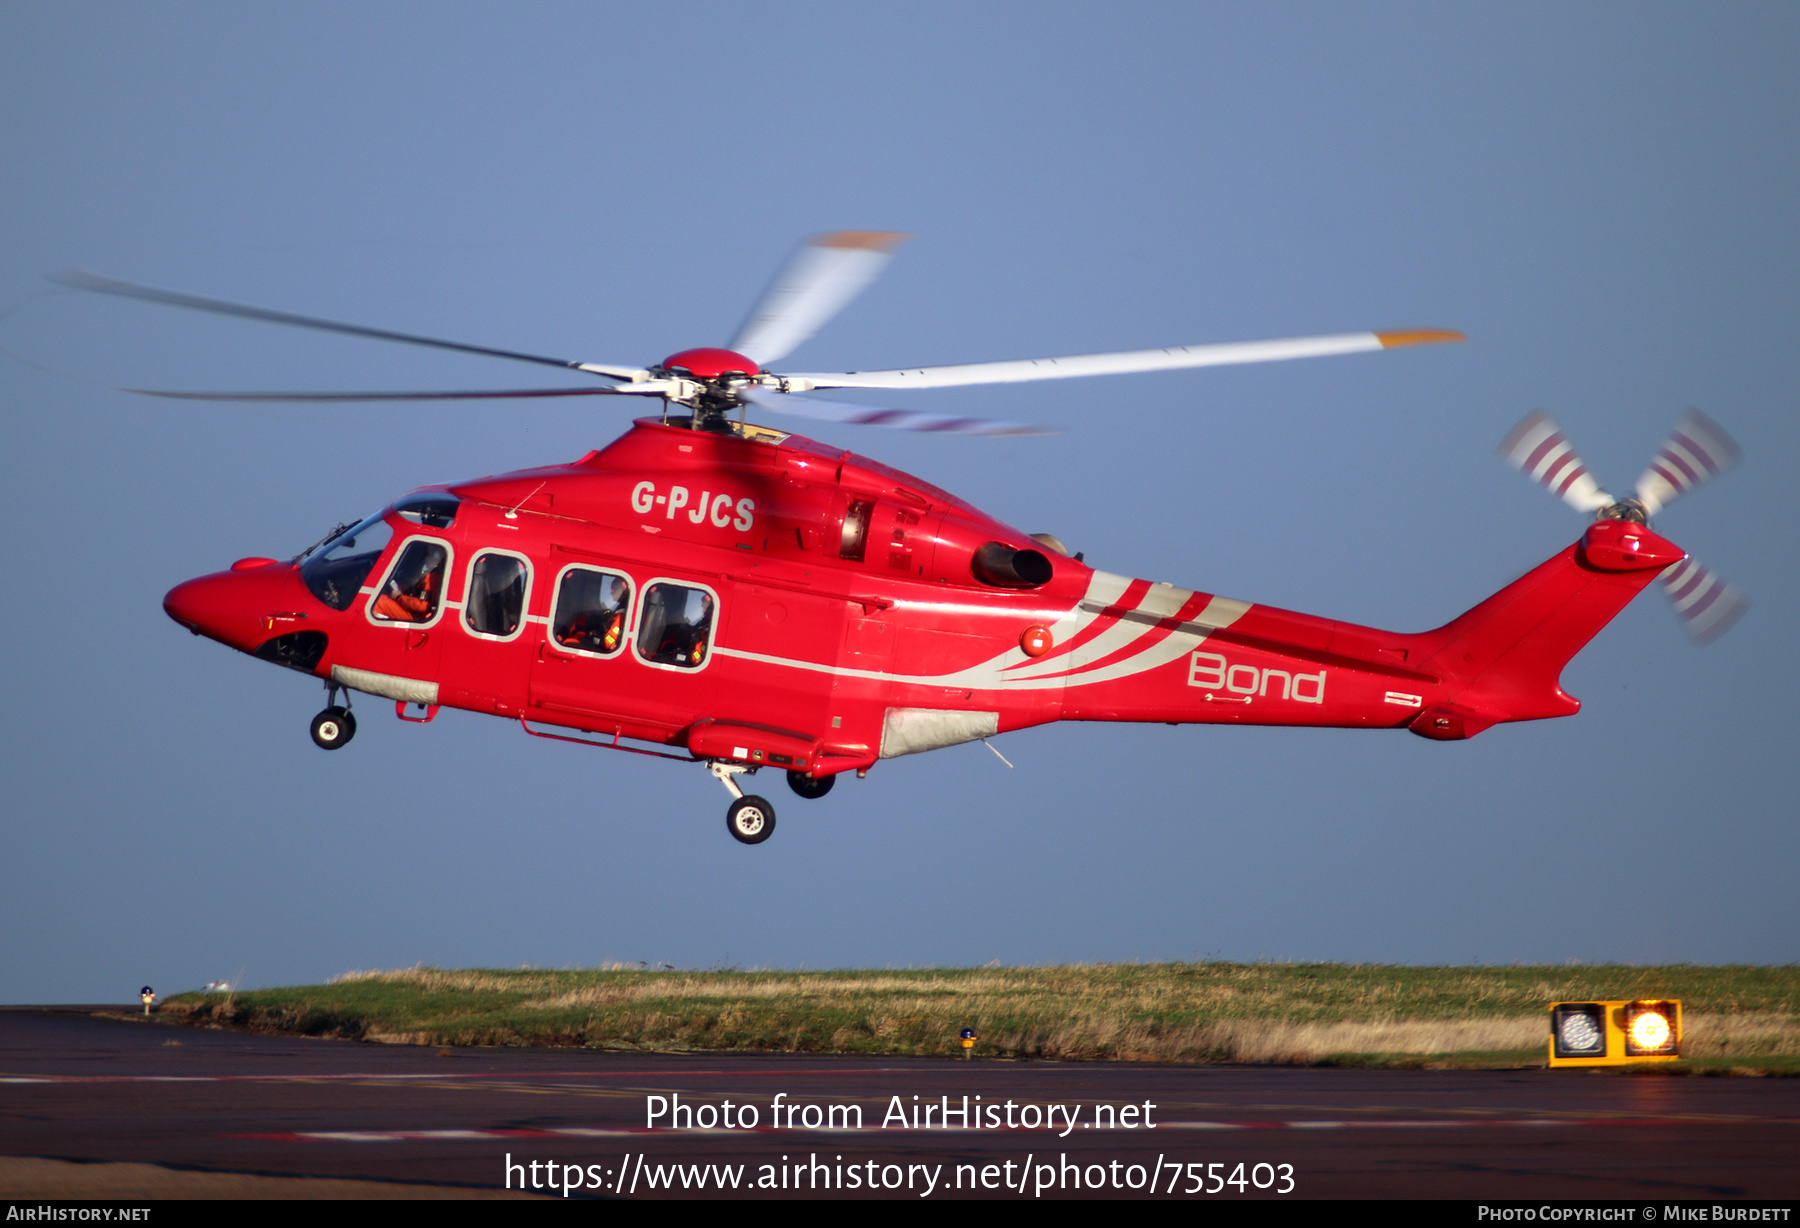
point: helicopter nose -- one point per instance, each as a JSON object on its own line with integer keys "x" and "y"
{"x": 228, "y": 606}
{"x": 191, "y": 604}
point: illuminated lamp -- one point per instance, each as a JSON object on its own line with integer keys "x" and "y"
{"x": 1650, "y": 1029}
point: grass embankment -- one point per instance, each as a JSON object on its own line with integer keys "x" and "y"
{"x": 1737, "y": 1017}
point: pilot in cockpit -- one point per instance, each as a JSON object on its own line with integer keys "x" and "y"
{"x": 413, "y": 599}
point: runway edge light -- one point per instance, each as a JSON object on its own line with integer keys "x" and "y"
{"x": 1615, "y": 1033}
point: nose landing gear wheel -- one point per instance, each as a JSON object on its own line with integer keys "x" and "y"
{"x": 333, "y": 728}
{"x": 813, "y": 787}
{"x": 751, "y": 819}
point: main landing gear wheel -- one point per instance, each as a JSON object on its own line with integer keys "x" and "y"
{"x": 333, "y": 728}
{"x": 751, "y": 819}
{"x": 812, "y": 787}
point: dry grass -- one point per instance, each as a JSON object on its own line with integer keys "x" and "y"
{"x": 1167, "y": 1012}
{"x": 1707, "y": 1035}
{"x": 1266, "y": 1040}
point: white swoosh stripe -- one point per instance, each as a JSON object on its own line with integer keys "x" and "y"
{"x": 1162, "y": 602}
{"x": 1104, "y": 590}
{"x": 1219, "y": 613}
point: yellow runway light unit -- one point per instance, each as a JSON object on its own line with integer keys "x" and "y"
{"x": 1615, "y": 1033}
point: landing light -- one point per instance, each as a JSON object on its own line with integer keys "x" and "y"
{"x": 1613, "y": 1033}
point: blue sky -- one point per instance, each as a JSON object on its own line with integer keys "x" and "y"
{"x": 1601, "y": 196}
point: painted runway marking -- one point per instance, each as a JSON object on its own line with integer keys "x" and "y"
{"x": 1394, "y": 1125}
{"x": 398, "y": 1136}
{"x": 434, "y": 1075}
{"x": 404, "y": 1136}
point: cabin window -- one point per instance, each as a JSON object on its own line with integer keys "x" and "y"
{"x": 434, "y": 511}
{"x": 336, "y": 568}
{"x": 495, "y": 605}
{"x": 856, "y": 530}
{"x": 593, "y": 608}
{"x": 415, "y": 585}
{"x": 676, "y": 625}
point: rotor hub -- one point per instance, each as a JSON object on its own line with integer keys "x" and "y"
{"x": 710, "y": 363}
{"x": 708, "y": 380}
{"x": 1632, "y": 510}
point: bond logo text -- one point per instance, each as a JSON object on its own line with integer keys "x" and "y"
{"x": 1213, "y": 672}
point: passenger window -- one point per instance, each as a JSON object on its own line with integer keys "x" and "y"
{"x": 415, "y": 586}
{"x": 676, "y": 626}
{"x": 592, "y": 610}
{"x": 496, "y": 601}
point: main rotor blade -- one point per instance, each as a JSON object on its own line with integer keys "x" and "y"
{"x": 1538, "y": 449}
{"x": 817, "y": 282}
{"x": 80, "y": 279}
{"x": 894, "y": 419}
{"x": 1696, "y": 451}
{"x": 486, "y": 395}
{"x": 1123, "y": 363}
{"x": 1705, "y": 604}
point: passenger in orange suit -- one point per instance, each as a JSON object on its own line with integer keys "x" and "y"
{"x": 700, "y": 633}
{"x": 599, "y": 630}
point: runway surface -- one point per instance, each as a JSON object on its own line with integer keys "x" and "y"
{"x": 208, "y": 1109}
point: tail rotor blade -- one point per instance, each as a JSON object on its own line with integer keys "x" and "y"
{"x": 1538, "y": 449}
{"x": 817, "y": 282}
{"x": 1696, "y": 451}
{"x": 1706, "y": 605}
{"x": 893, "y": 419}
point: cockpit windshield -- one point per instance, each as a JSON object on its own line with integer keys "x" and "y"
{"x": 335, "y": 569}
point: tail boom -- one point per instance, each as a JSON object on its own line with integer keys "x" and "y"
{"x": 1500, "y": 661}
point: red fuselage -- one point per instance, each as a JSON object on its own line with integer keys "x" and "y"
{"x": 767, "y": 599}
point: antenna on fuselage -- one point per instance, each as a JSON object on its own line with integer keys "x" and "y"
{"x": 512, "y": 513}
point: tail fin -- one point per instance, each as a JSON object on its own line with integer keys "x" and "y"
{"x": 1503, "y": 660}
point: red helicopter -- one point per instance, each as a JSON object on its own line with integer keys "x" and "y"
{"x": 758, "y": 599}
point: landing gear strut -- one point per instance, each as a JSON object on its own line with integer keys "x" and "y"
{"x": 335, "y": 726}
{"x": 750, "y": 819}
